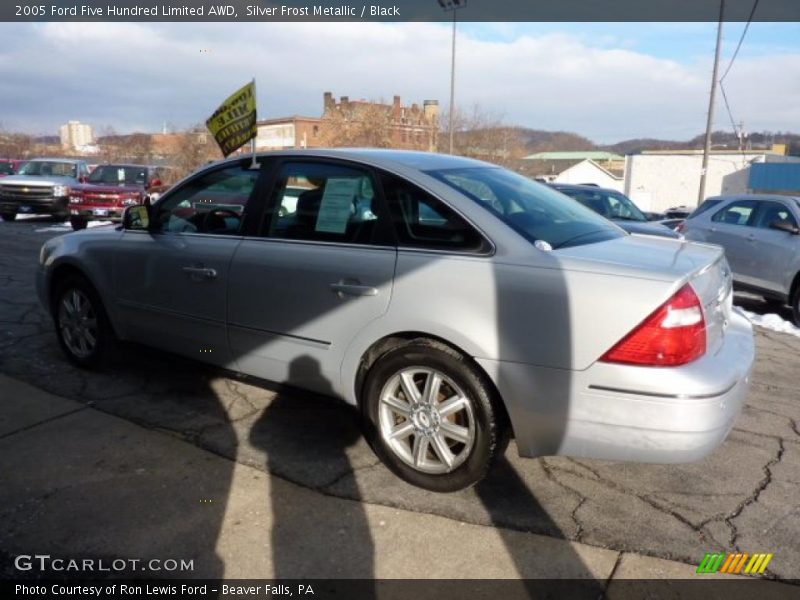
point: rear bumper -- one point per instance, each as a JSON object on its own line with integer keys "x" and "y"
{"x": 622, "y": 412}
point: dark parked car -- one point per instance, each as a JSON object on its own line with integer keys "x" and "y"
{"x": 615, "y": 206}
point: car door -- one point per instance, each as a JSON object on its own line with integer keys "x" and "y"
{"x": 730, "y": 227}
{"x": 772, "y": 251}
{"x": 171, "y": 280}
{"x": 319, "y": 271}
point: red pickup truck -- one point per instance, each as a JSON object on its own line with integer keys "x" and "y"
{"x": 109, "y": 189}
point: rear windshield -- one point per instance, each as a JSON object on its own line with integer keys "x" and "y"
{"x": 119, "y": 175}
{"x": 532, "y": 209}
{"x": 710, "y": 203}
{"x": 611, "y": 205}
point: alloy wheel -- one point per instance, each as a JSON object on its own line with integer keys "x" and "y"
{"x": 77, "y": 321}
{"x": 426, "y": 420}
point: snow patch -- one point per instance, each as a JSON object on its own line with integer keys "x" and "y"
{"x": 771, "y": 321}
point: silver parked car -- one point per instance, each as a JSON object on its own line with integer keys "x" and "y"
{"x": 454, "y": 302}
{"x": 761, "y": 238}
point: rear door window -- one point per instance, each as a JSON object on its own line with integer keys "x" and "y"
{"x": 422, "y": 221}
{"x": 770, "y": 212}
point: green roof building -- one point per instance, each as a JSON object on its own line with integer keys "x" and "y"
{"x": 596, "y": 155}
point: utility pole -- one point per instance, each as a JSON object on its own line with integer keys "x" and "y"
{"x": 452, "y": 6}
{"x": 701, "y": 195}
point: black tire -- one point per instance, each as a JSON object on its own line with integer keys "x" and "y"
{"x": 487, "y": 424}
{"x": 796, "y": 306}
{"x": 78, "y": 223}
{"x": 8, "y": 217}
{"x": 104, "y": 344}
{"x": 774, "y": 304}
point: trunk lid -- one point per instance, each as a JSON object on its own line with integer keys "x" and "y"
{"x": 677, "y": 261}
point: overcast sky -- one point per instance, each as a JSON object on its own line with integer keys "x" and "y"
{"x": 606, "y": 81}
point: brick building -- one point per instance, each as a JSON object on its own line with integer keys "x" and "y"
{"x": 355, "y": 123}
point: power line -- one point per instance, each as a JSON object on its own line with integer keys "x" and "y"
{"x": 741, "y": 40}
{"x": 728, "y": 70}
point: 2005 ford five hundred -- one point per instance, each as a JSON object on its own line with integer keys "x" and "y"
{"x": 455, "y": 303}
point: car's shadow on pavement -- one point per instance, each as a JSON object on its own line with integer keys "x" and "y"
{"x": 760, "y": 306}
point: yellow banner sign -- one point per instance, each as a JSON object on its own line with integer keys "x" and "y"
{"x": 234, "y": 122}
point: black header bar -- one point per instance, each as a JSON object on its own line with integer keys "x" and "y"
{"x": 398, "y": 10}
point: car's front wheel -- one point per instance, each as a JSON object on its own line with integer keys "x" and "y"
{"x": 83, "y": 330}
{"x": 78, "y": 223}
{"x": 430, "y": 416}
{"x": 8, "y": 216}
{"x": 796, "y": 306}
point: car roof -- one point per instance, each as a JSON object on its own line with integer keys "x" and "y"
{"x": 422, "y": 161}
{"x": 125, "y": 165}
{"x": 752, "y": 197}
{"x": 61, "y": 160}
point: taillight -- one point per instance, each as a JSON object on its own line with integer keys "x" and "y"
{"x": 675, "y": 334}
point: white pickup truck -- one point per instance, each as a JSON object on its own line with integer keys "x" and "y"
{"x": 42, "y": 186}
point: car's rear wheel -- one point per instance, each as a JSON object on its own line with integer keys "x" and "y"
{"x": 83, "y": 330}
{"x": 774, "y": 304}
{"x": 430, "y": 416}
{"x": 8, "y": 216}
{"x": 78, "y": 223}
{"x": 796, "y": 306}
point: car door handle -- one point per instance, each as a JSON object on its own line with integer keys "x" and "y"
{"x": 751, "y": 238}
{"x": 200, "y": 272}
{"x": 352, "y": 289}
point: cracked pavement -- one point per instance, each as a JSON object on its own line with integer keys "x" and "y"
{"x": 744, "y": 497}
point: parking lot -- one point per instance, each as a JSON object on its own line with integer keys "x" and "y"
{"x": 744, "y": 497}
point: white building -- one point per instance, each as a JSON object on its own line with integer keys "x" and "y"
{"x": 658, "y": 180}
{"x": 75, "y": 134}
{"x": 588, "y": 171}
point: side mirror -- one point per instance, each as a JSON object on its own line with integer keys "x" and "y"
{"x": 783, "y": 225}
{"x": 136, "y": 217}
{"x": 82, "y": 179}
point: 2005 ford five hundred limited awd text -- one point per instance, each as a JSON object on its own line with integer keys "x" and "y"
{"x": 456, "y": 303}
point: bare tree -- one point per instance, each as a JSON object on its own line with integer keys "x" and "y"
{"x": 139, "y": 147}
{"x": 15, "y": 145}
{"x": 186, "y": 151}
{"x": 358, "y": 124}
{"x": 481, "y": 134}
{"x": 108, "y": 141}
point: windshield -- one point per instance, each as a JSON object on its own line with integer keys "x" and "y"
{"x": 611, "y": 205}
{"x": 119, "y": 175}
{"x": 534, "y": 210}
{"x": 46, "y": 168}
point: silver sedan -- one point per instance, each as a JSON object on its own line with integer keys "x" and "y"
{"x": 455, "y": 303}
